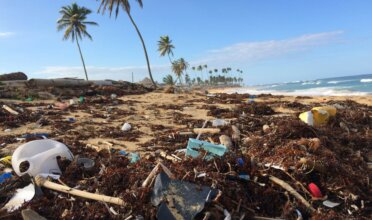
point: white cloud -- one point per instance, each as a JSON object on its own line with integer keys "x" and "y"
{"x": 6, "y": 34}
{"x": 94, "y": 72}
{"x": 253, "y": 51}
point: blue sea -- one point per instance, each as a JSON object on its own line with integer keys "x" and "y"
{"x": 359, "y": 85}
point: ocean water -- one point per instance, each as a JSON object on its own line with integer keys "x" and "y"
{"x": 359, "y": 85}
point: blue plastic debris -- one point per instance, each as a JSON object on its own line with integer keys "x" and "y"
{"x": 134, "y": 157}
{"x": 35, "y": 135}
{"x": 240, "y": 161}
{"x": 213, "y": 149}
{"x": 72, "y": 120}
{"x": 5, "y": 176}
{"x": 244, "y": 176}
{"x": 121, "y": 152}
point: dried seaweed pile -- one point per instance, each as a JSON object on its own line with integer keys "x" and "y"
{"x": 268, "y": 146}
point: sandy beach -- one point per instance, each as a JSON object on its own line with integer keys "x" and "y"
{"x": 270, "y": 132}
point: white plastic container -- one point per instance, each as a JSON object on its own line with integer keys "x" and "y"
{"x": 126, "y": 127}
{"x": 41, "y": 156}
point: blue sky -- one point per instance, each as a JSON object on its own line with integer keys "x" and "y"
{"x": 271, "y": 40}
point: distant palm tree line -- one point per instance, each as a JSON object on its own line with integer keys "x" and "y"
{"x": 179, "y": 68}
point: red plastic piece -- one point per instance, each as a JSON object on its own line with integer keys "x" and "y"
{"x": 315, "y": 191}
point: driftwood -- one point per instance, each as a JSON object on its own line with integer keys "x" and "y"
{"x": 41, "y": 181}
{"x": 292, "y": 191}
{"x": 10, "y": 110}
{"x": 151, "y": 176}
{"x": 207, "y": 130}
{"x": 154, "y": 171}
{"x": 13, "y": 76}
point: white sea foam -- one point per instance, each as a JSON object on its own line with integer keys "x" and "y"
{"x": 366, "y": 80}
{"x": 322, "y": 91}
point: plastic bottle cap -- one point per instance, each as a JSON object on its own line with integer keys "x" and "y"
{"x": 315, "y": 191}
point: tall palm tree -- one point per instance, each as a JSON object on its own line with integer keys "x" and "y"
{"x": 115, "y": 5}
{"x": 73, "y": 22}
{"x": 177, "y": 68}
{"x": 200, "y": 68}
{"x": 184, "y": 65}
{"x": 165, "y": 46}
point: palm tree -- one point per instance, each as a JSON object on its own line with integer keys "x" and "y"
{"x": 165, "y": 46}
{"x": 200, "y": 68}
{"x": 115, "y": 5}
{"x": 73, "y": 21}
{"x": 177, "y": 68}
{"x": 184, "y": 65}
{"x": 188, "y": 79}
{"x": 168, "y": 79}
{"x": 215, "y": 70}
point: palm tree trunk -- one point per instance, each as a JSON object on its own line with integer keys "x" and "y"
{"x": 82, "y": 59}
{"x": 144, "y": 48}
{"x": 170, "y": 60}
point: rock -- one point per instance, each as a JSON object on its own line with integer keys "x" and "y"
{"x": 266, "y": 128}
{"x": 13, "y": 76}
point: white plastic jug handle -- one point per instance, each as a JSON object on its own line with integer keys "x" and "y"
{"x": 18, "y": 164}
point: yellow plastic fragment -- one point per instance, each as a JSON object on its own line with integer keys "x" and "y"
{"x": 318, "y": 115}
{"x": 6, "y": 160}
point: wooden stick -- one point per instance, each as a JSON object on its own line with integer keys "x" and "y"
{"x": 167, "y": 171}
{"x": 199, "y": 134}
{"x": 151, "y": 175}
{"x": 41, "y": 181}
{"x": 168, "y": 157}
{"x": 292, "y": 191}
{"x": 10, "y": 110}
{"x": 207, "y": 130}
{"x": 185, "y": 133}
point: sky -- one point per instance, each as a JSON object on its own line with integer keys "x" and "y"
{"x": 270, "y": 40}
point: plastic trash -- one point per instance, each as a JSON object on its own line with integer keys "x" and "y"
{"x": 330, "y": 204}
{"x": 188, "y": 198}
{"x": 122, "y": 152}
{"x": 72, "y": 120}
{"x": 36, "y": 135}
{"x": 126, "y": 127}
{"x": 219, "y": 122}
{"x": 318, "y": 115}
{"x": 6, "y": 160}
{"x": 74, "y": 101}
{"x": 113, "y": 96}
{"x": 81, "y": 99}
{"x": 214, "y": 150}
{"x": 5, "y": 176}
{"x": 40, "y": 156}
{"x": 21, "y": 196}
{"x": 86, "y": 162}
{"x": 134, "y": 157}
{"x": 315, "y": 191}
{"x": 240, "y": 161}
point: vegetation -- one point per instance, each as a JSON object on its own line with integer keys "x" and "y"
{"x": 74, "y": 24}
{"x": 168, "y": 79}
{"x": 116, "y": 5}
{"x": 165, "y": 47}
